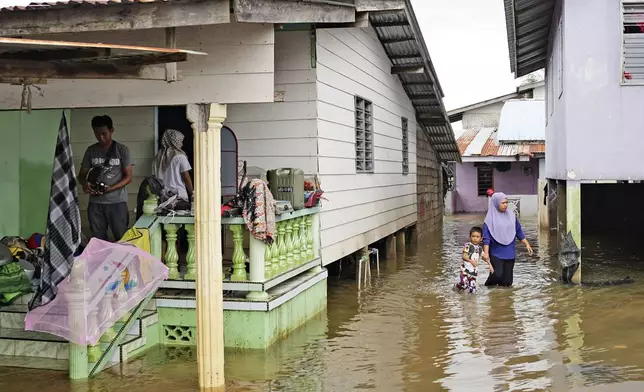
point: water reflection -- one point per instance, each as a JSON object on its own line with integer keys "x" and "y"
{"x": 409, "y": 331}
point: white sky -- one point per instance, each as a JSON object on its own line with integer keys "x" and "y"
{"x": 467, "y": 42}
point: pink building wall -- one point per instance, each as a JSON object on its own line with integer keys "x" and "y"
{"x": 512, "y": 182}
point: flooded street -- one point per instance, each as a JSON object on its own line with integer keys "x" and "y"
{"x": 409, "y": 331}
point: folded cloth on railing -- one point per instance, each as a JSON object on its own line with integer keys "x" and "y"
{"x": 258, "y": 208}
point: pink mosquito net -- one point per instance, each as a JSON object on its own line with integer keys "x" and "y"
{"x": 107, "y": 281}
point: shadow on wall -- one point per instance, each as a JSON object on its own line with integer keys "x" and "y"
{"x": 612, "y": 210}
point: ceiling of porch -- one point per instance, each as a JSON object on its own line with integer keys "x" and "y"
{"x": 42, "y": 59}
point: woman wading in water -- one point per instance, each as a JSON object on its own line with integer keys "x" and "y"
{"x": 500, "y": 231}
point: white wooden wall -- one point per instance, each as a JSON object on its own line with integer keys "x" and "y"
{"x": 238, "y": 68}
{"x": 362, "y": 208}
{"x": 282, "y": 134}
{"x": 133, "y": 127}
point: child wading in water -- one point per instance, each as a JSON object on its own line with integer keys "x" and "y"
{"x": 472, "y": 253}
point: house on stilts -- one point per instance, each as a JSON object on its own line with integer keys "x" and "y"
{"x": 343, "y": 90}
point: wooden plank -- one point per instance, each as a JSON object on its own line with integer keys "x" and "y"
{"x": 379, "y": 5}
{"x": 171, "y": 42}
{"x": 54, "y": 54}
{"x": 115, "y": 17}
{"x": 53, "y": 71}
{"x": 285, "y": 11}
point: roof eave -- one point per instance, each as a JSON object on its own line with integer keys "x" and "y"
{"x": 528, "y": 24}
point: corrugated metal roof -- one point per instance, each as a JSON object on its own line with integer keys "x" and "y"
{"x": 17, "y": 5}
{"x": 528, "y": 26}
{"x": 470, "y": 146}
{"x": 522, "y": 120}
{"x": 402, "y": 39}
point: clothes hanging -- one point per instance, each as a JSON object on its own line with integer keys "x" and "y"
{"x": 63, "y": 234}
{"x": 258, "y": 208}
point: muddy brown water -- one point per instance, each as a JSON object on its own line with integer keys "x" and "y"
{"x": 409, "y": 331}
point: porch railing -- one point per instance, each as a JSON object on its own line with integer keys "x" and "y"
{"x": 296, "y": 249}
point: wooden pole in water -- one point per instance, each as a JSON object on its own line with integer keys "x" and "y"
{"x": 573, "y": 219}
{"x": 207, "y": 122}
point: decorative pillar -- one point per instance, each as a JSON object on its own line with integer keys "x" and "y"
{"x": 191, "y": 267}
{"x": 281, "y": 237}
{"x": 275, "y": 252}
{"x": 304, "y": 254}
{"x": 239, "y": 257}
{"x": 289, "y": 244}
{"x": 207, "y": 122}
{"x": 296, "y": 242}
{"x": 309, "y": 238}
{"x": 315, "y": 235}
{"x": 268, "y": 265}
{"x": 76, "y": 296}
{"x": 573, "y": 219}
{"x": 171, "y": 253}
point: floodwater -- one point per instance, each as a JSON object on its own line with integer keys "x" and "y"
{"x": 409, "y": 331}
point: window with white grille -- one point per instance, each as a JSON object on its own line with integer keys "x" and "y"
{"x": 405, "y": 145}
{"x": 633, "y": 44}
{"x": 364, "y": 136}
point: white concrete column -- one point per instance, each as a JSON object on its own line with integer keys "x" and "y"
{"x": 573, "y": 219}
{"x": 207, "y": 122}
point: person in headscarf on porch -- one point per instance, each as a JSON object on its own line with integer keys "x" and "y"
{"x": 500, "y": 231}
{"x": 171, "y": 165}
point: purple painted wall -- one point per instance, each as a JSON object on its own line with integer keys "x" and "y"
{"x": 512, "y": 182}
{"x": 595, "y": 130}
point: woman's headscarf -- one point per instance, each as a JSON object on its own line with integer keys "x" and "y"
{"x": 171, "y": 144}
{"x": 502, "y": 225}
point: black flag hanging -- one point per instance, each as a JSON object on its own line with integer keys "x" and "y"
{"x": 63, "y": 223}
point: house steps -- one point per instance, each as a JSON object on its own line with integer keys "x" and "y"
{"x": 38, "y": 350}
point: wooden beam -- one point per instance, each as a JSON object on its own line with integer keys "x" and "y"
{"x": 380, "y": 5}
{"x": 49, "y": 70}
{"x": 408, "y": 69}
{"x": 391, "y": 24}
{"x": 54, "y": 54}
{"x": 133, "y": 16}
{"x": 285, "y": 11}
{"x": 362, "y": 21}
{"x": 424, "y": 97}
{"x": 171, "y": 42}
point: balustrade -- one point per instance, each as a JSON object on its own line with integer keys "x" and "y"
{"x": 294, "y": 245}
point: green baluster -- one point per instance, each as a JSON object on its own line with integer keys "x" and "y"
{"x": 296, "y": 241}
{"x": 239, "y": 257}
{"x": 282, "y": 247}
{"x": 191, "y": 273}
{"x": 303, "y": 240}
{"x": 309, "y": 235}
{"x": 289, "y": 244}
{"x": 275, "y": 253}
{"x": 268, "y": 254}
{"x": 171, "y": 254}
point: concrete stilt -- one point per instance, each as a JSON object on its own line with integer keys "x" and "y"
{"x": 401, "y": 241}
{"x": 207, "y": 122}
{"x": 413, "y": 234}
{"x": 391, "y": 247}
{"x": 573, "y": 218}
